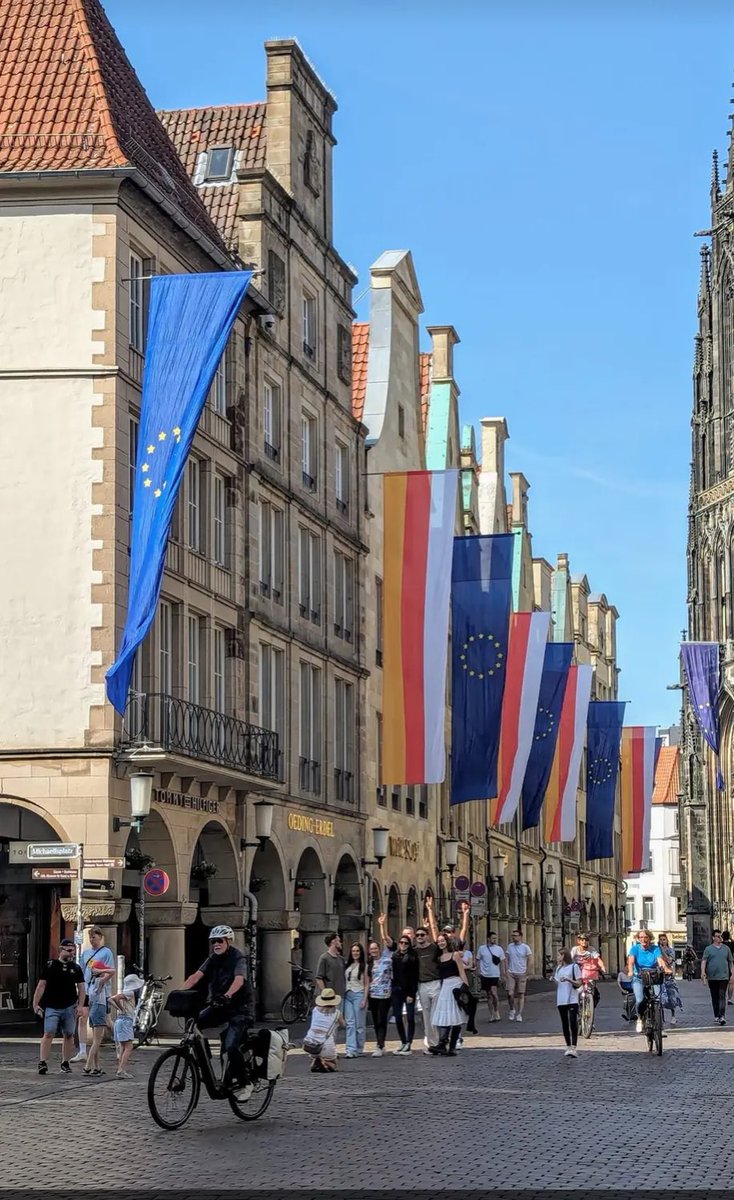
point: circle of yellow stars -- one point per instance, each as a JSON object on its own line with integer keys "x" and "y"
{"x": 550, "y": 726}
{"x": 490, "y": 640}
{"x": 600, "y": 770}
{"x": 150, "y": 451}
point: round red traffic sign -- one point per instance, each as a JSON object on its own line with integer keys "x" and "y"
{"x": 156, "y": 882}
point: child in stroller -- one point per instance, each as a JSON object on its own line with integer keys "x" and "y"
{"x": 629, "y": 1010}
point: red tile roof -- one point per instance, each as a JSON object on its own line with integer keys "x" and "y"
{"x": 667, "y": 776}
{"x": 360, "y": 354}
{"x": 193, "y": 131}
{"x": 70, "y": 100}
{"x": 426, "y": 369}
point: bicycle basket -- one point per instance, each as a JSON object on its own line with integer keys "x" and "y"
{"x": 184, "y": 1003}
{"x": 651, "y": 976}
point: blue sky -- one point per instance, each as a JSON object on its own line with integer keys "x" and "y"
{"x": 547, "y": 170}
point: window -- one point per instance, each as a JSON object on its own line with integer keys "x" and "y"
{"x": 271, "y": 419}
{"x": 193, "y": 503}
{"x": 401, "y": 421}
{"x": 651, "y": 864}
{"x": 219, "y": 520}
{"x": 310, "y": 165}
{"x": 194, "y": 627}
{"x": 344, "y": 353}
{"x": 310, "y": 738}
{"x": 395, "y": 798}
{"x": 381, "y": 789}
{"x": 423, "y": 801}
{"x": 218, "y": 392}
{"x": 379, "y": 603}
{"x": 310, "y": 342}
{"x": 165, "y": 648}
{"x": 341, "y": 477}
{"x": 309, "y": 451}
{"x": 271, "y": 551}
{"x": 219, "y": 163}
{"x": 648, "y": 909}
{"x": 676, "y": 818}
{"x": 629, "y": 912}
{"x": 133, "y": 430}
{"x": 343, "y": 596}
{"x": 674, "y": 860}
{"x": 309, "y": 571}
{"x": 410, "y": 800}
{"x": 219, "y": 690}
{"x": 137, "y": 303}
{"x": 344, "y": 740}
{"x": 276, "y": 281}
{"x": 272, "y": 690}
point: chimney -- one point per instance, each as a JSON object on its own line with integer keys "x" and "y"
{"x": 520, "y": 488}
{"x": 492, "y": 498}
{"x": 443, "y": 340}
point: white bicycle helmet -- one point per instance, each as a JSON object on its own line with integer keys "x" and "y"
{"x": 221, "y": 931}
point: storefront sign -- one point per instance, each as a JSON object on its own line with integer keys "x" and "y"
{"x": 400, "y": 847}
{"x": 184, "y": 800}
{"x": 300, "y": 823}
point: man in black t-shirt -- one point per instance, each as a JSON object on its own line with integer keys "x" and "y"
{"x": 228, "y": 994}
{"x": 59, "y": 999}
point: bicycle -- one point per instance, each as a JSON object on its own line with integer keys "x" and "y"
{"x": 174, "y": 1086}
{"x": 149, "y": 1006}
{"x": 652, "y": 1025}
{"x": 586, "y": 1007}
{"x": 298, "y": 1001}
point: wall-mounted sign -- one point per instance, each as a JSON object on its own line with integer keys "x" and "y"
{"x": 400, "y": 847}
{"x": 184, "y": 800}
{"x": 301, "y": 823}
{"x": 52, "y": 874}
{"x": 156, "y": 882}
{"x": 50, "y": 851}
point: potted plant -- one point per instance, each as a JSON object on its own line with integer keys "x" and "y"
{"x": 203, "y": 871}
{"x": 135, "y": 860}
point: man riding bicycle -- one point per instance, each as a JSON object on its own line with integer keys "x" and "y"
{"x": 643, "y": 956}
{"x": 229, "y": 996}
{"x": 589, "y": 962}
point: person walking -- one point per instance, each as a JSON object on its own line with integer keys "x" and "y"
{"x": 59, "y": 999}
{"x": 100, "y": 952}
{"x": 101, "y": 968}
{"x": 491, "y": 964}
{"x": 379, "y": 972}
{"x": 123, "y": 1004}
{"x": 717, "y": 966}
{"x": 726, "y": 939}
{"x": 669, "y": 994}
{"x": 404, "y": 991}
{"x": 568, "y": 977}
{"x": 519, "y": 957}
{"x": 326, "y": 1018}
{"x": 354, "y": 1003}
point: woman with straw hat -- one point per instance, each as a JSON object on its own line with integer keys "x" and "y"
{"x": 325, "y": 1019}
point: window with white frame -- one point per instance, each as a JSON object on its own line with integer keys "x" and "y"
{"x": 630, "y": 911}
{"x": 343, "y": 596}
{"x": 219, "y": 520}
{"x": 194, "y": 626}
{"x": 218, "y": 392}
{"x": 136, "y": 302}
{"x": 310, "y": 333}
{"x": 310, "y": 733}
{"x": 341, "y": 477}
{"x": 344, "y": 740}
{"x": 193, "y": 503}
{"x": 165, "y": 648}
{"x": 219, "y": 670}
{"x": 272, "y": 525}
{"x": 648, "y": 909}
{"x": 133, "y": 430}
{"x": 309, "y": 450}
{"x": 272, "y": 407}
{"x": 272, "y": 690}
{"x": 674, "y": 860}
{"x": 309, "y": 572}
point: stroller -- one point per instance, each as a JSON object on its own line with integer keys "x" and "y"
{"x": 629, "y": 1009}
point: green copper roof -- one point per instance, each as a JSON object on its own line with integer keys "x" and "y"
{"x": 439, "y": 425}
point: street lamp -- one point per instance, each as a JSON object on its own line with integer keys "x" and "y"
{"x": 379, "y": 843}
{"x": 499, "y": 866}
{"x": 527, "y": 875}
{"x": 141, "y": 792}
{"x": 263, "y": 826}
{"x": 550, "y": 882}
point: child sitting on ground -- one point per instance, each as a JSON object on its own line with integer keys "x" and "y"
{"x": 325, "y": 1020}
{"x": 124, "y": 1007}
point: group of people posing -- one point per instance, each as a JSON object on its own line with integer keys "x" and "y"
{"x": 425, "y": 965}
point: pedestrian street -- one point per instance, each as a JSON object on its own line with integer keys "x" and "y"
{"x": 548, "y": 1120}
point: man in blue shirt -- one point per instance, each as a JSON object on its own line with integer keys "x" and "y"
{"x": 644, "y": 955}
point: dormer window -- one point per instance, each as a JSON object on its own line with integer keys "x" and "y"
{"x": 219, "y": 164}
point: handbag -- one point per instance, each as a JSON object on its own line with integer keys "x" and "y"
{"x": 313, "y": 1045}
{"x": 463, "y": 998}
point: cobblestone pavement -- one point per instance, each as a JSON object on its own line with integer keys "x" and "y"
{"x": 546, "y": 1120}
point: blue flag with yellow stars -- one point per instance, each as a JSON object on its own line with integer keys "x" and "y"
{"x": 603, "y": 740}
{"x": 481, "y": 598}
{"x": 556, "y": 665}
{"x": 190, "y": 319}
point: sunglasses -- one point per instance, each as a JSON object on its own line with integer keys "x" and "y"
{"x": 217, "y": 941}
{"x": 420, "y": 934}
{"x": 403, "y": 942}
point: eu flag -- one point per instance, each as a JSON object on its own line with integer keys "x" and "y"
{"x": 603, "y": 739}
{"x": 190, "y": 320}
{"x": 481, "y": 593}
{"x": 556, "y": 665}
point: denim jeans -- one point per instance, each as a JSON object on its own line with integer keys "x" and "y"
{"x": 356, "y": 1019}
{"x": 639, "y": 989}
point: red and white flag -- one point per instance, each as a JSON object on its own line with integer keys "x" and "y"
{"x": 525, "y": 655}
{"x": 560, "y": 795}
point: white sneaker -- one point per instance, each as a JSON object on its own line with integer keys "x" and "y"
{"x": 511, "y": 1014}
{"x": 673, "y": 1020}
{"x": 460, "y": 1044}
{"x": 80, "y": 1057}
{"x": 572, "y": 1053}
{"x": 518, "y": 1017}
{"x": 404, "y": 1049}
{"x": 497, "y": 1017}
{"x": 567, "y": 1053}
{"x": 377, "y": 1053}
{"x": 638, "y": 1026}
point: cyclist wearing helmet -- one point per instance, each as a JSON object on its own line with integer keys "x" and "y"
{"x": 228, "y": 991}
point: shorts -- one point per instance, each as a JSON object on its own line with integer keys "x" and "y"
{"x": 124, "y": 1029}
{"x": 516, "y": 983}
{"x": 97, "y": 1013}
{"x": 60, "y": 1021}
{"x": 489, "y": 983}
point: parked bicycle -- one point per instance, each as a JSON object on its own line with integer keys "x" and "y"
{"x": 149, "y": 1006}
{"x": 652, "y": 1024}
{"x": 175, "y": 1082}
{"x": 298, "y": 1002}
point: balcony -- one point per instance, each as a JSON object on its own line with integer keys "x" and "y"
{"x": 178, "y": 727}
{"x": 309, "y": 775}
{"x": 272, "y": 452}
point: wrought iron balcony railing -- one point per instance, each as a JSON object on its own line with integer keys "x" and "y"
{"x": 179, "y": 727}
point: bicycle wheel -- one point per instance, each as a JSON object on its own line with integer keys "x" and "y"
{"x": 143, "y": 1026}
{"x": 295, "y": 1006}
{"x": 173, "y": 1088}
{"x": 657, "y": 1025}
{"x": 250, "y": 1102}
{"x": 587, "y": 1014}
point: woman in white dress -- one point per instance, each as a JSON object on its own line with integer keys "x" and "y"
{"x": 447, "y": 1017}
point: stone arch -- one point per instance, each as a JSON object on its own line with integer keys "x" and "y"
{"x": 348, "y": 893}
{"x": 394, "y": 914}
{"x": 213, "y": 868}
{"x": 38, "y": 817}
{"x": 266, "y": 879}
{"x": 376, "y": 903}
{"x": 156, "y": 841}
{"x": 309, "y": 884}
{"x": 413, "y": 913}
{"x": 592, "y": 916}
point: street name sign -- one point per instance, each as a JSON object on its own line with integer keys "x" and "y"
{"x": 99, "y": 863}
{"x": 52, "y": 851}
{"x": 53, "y": 874}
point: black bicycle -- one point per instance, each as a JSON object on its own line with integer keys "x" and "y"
{"x": 298, "y": 1001}
{"x": 652, "y": 1024}
{"x": 175, "y": 1082}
